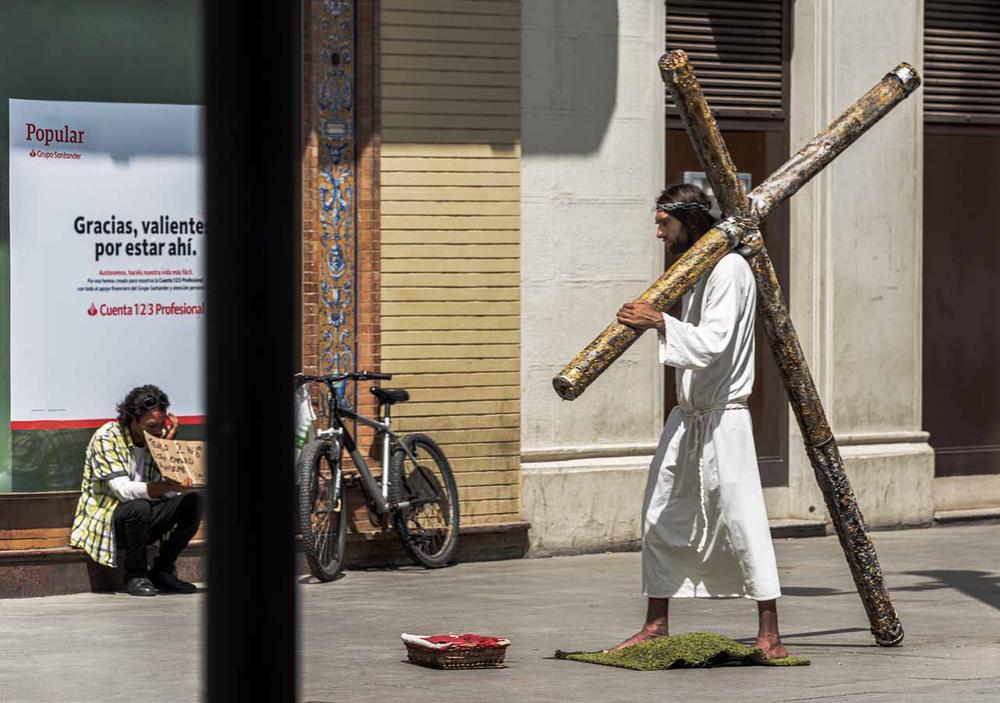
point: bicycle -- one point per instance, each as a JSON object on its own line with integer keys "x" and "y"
{"x": 417, "y": 489}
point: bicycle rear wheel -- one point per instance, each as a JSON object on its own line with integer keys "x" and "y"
{"x": 322, "y": 513}
{"x": 428, "y": 526}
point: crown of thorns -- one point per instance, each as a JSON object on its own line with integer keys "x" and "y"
{"x": 671, "y": 207}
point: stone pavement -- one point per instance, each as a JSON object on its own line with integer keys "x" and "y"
{"x": 945, "y": 583}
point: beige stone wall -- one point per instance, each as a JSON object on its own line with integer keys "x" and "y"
{"x": 450, "y": 253}
{"x": 856, "y": 268}
{"x": 592, "y": 123}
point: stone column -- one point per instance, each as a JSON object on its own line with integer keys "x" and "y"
{"x": 592, "y": 126}
{"x": 855, "y": 284}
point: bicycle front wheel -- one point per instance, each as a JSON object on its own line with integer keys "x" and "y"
{"x": 322, "y": 510}
{"x": 428, "y": 522}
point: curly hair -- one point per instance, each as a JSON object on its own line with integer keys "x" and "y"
{"x": 139, "y": 401}
{"x": 695, "y": 222}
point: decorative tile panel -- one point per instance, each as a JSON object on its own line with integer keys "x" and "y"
{"x": 337, "y": 185}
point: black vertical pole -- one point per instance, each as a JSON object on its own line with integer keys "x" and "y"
{"x": 252, "y": 64}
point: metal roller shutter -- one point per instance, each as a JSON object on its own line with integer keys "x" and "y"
{"x": 962, "y": 61}
{"x": 738, "y": 55}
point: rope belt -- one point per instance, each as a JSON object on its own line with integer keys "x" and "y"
{"x": 696, "y": 420}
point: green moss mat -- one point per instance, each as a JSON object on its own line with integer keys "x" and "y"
{"x": 688, "y": 651}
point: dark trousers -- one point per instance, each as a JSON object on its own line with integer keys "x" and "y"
{"x": 141, "y": 522}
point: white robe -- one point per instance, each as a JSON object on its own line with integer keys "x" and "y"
{"x": 705, "y": 531}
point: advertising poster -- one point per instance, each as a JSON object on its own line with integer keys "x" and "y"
{"x": 107, "y": 240}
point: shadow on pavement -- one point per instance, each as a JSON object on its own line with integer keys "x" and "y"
{"x": 984, "y": 586}
{"x": 811, "y": 591}
{"x": 818, "y": 633}
{"x": 821, "y": 633}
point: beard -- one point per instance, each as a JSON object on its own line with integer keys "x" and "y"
{"x": 678, "y": 248}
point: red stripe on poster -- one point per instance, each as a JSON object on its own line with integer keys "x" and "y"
{"x": 86, "y": 424}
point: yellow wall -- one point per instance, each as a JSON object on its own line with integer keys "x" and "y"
{"x": 450, "y": 216}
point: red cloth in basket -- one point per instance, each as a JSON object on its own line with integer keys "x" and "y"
{"x": 450, "y": 642}
{"x": 466, "y": 641}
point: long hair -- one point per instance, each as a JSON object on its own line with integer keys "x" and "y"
{"x": 694, "y": 222}
{"x": 139, "y": 401}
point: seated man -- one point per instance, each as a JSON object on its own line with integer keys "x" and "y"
{"x": 125, "y": 503}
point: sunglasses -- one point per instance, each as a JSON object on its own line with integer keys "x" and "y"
{"x": 155, "y": 401}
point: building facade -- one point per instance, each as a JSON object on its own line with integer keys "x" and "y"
{"x": 886, "y": 285}
{"x": 478, "y": 179}
{"x": 521, "y": 146}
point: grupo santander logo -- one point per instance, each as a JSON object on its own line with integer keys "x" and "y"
{"x": 92, "y": 310}
{"x": 51, "y": 135}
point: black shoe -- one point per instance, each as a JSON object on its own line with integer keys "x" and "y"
{"x": 167, "y": 582}
{"x": 140, "y": 586}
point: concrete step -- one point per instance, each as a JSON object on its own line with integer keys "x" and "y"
{"x": 948, "y": 517}
{"x": 53, "y": 571}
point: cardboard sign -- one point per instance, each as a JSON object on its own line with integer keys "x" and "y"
{"x": 179, "y": 459}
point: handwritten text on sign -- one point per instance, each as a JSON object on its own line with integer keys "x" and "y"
{"x": 178, "y": 459}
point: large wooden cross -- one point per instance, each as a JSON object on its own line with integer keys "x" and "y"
{"x": 740, "y": 231}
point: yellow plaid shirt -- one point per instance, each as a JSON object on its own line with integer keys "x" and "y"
{"x": 109, "y": 455}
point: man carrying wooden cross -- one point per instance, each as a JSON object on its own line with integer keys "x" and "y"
{"x": 740, "y": 231}
{"x": 704, "y": 526}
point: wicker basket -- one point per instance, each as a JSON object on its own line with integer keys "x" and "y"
{"x": 465, "y": 658}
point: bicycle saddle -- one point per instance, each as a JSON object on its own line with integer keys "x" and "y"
{"x": 390, "y": 395}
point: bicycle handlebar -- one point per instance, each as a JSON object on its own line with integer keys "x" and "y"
{"x": 335, "y": 377}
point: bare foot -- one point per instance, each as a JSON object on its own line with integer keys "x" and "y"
{"x": 646, "y": 633}
{"x": 772, "y": 647}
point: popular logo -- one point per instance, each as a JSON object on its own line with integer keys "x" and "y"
{"x": 47, "y": 135}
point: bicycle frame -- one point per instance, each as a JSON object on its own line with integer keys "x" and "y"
{"x": 407, "y": 485}
{"x": 378, "y": 494}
